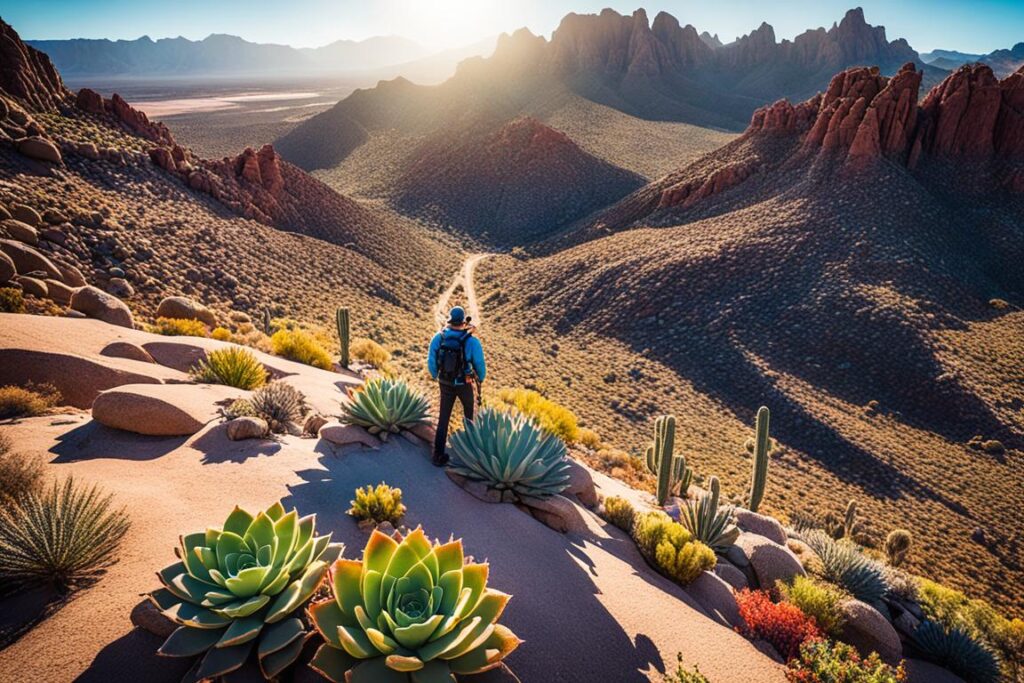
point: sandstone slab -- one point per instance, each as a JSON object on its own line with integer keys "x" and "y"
{"x": 27, "y": 260}
{"x": 342, "y": 435}
{"x": 247, "y": 428}
{"x": 162, "y": 409}
{"x": 771, "y": 562}
{"x": 869, "y": 631}
{"x": 716, "y": 597}
{"x": 763, "y": 525}
{"x": 183, "y": 308}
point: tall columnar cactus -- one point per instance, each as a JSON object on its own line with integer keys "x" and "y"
{"x": 341, "y": 316}
{"x": 759, "y": 476}
{"x": 266, "y": 322}
{"x": 850, "y": 520}
{"x": 670, "y": 469}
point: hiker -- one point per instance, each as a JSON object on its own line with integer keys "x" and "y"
{"x": 456, "y": 361}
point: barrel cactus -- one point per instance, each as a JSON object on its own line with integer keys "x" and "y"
{"x": 508, "y": 452}
{"x": 409, "y": 611}
{"x": 385, "y": 406}
{"x": 236, "y": 588}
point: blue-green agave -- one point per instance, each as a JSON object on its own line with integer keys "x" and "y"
{"x": 385, "y": 406}
{"x": 235, "y": 590}
{"x": 510, "y": 453}
{"x": 410, "y": 611}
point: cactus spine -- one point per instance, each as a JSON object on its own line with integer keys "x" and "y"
{"x": 670, "y": 469}
{"x": 343, "y": 337}
{"x": 759, "y": 476}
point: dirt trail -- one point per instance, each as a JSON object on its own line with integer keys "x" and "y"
{"x": 464, "y": 278}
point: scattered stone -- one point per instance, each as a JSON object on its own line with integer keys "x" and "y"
{"x": 73, "y": 276}
{"x": 54, "y": 217}
{"x": 183, "y": 308}
{"x": 341, "y": 435}
{"x": 7, "y": 269}
{"x": 26, "y": 259}
{"x": 96, "y": 303}
{"x": 477, "y": 489}
{"x": 148, "y": 617}
{"x": 736, "y": 556}
{"x": 729, "y": 573}
{"x": 425, "y": 431}
{"x": 869, "y": 631}
{"x": 926, "y": 672}
{"x": 54, "y": 235}
{"x": 22, "y": 232}
{"x": 771, "y": 561}
{"x": 40, "y": 148}
{"x": 25, "y": 214}
{"x": 557, "y": 512}
{"x": 32, "y": 286}
{"x": 129, "y": 350}
{"x": 59, "y": 292}
{"x": 581, "y": 484}
{"x": 120, "y": 287}
{"x": 769, "y": 527}
{"x": 313, "y": 424}
{"x": 247, "y": 428}
{"x": 716, "y": 597}
{"x": 161, "y": 409}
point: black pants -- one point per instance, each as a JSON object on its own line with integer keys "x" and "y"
{"x": 449, "y": 392}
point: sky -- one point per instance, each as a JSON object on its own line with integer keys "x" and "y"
{"x": 976, "y": 26}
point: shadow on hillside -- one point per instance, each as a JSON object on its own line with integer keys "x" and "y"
{"x": 133, "y": 657}
{"x": 543, "y": 570}
{"x": 94, "y": 441}
{"x": 22, "y": 611}
{"x": 217, "y": 448}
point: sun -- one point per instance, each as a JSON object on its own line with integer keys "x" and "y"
{"x": 453, "y": 23}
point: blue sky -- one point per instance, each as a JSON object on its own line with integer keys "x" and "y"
{"x": 969, "y": 26}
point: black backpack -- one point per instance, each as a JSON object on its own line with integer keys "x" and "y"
{"x": 451, "y": 358}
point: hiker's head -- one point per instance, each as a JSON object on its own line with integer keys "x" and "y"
{"x": 457, "y": 318}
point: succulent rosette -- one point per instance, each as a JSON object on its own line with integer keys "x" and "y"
{"x": 410, "y": 611}
{"x": 235, "y": 590}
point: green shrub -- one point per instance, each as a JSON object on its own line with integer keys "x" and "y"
{"x": 221, "y": 334}
{"x": 11, "y": 300}
{"x": 671, "y": 548}
{"x": 844, "y": 565}
{"x": 957, "y": 650}
{"x": 619, "y": 512}
{"x": 233, "y": 366}
{"x": 281, "y": 405}
{"x": 510, "y": 453}
{"x": 588, "y": 438}
{"x": 897, "y": 545}
{"x": 385, "y": 406}
{"x": 815, "y": 599}
{"x": 240, "y": 407}
{"x": 178, "y": 327}
{"x": 824, "y": 661}
{"x": 300, "y": 346}
{"x": 378, "y": 504}
{"x": 684, "y": 675}
{"x": 370, "y": 352}
{"x": 63, "y": 536}
{"x": 552, "y": 418}
{"x": 20, "y": 474}
{"x": 27, "y": 401}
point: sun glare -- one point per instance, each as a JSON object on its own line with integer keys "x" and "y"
{"x": 452, "y": 23}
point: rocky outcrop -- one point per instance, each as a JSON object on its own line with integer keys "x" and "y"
{"x": 27, "y": 74}
{"x": 38, "y": 147}
{"x": 689, "y": 193}
{"x": 95, "y": 303}
{"x": 161, "y": 409}
{"x": 183, "y": 308}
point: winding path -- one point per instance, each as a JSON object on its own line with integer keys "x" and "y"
{"x": 465, "y": 278}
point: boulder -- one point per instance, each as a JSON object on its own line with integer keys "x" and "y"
{"x": 72, "y": 276}
{"x": 148, "y": 617}
{"x": 175, "y": 353}
{"x": 313, "y": 423}
{"x": 771, "y": 562}
{"x": 54, "y": 217}
{"x": 59, "y": 292}
{"x": 40, "y": 148}
{"x": 120, "y": 287}
{"x": 129, "y": 350}
{"x": 477, "y": 489}
{"x": 96, "y": 303}
{"x": 162, "y": 409}
{"x": 247, "y": 428}
{"x": 32, "y": 286}
{"x": 341, "y": 435}
{"x": 557, "y": 512}
{"x": 54, "y": 235}
{"x": 27, "y": 260}
{"x": 729, "y": 573}
{"x": 425, "y": 431}
{"x": 581, "y": 484}
{"x": 716, "y": 597}
{"x": 25, "y": 214}
{"x": 22, "y": 232}
{"x": 920, "y": 671}
{"x": 7, "y": 269}
{"x": 867, "y": 630}
{"x": 183, "y": 308}
{"x": 763, "y": 525}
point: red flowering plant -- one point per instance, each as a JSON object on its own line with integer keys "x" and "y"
{"x": 783, "y": 625}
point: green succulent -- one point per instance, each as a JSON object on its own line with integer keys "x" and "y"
{"x": 710, "y": 523}
{"x": 955, "y": 649}
{"x": 385, "y": 406}
{"x": 846, "y": 566}
{"x": 510, "y": 452}
{"x": 235, "y": 588}
{"x": 410, "y": 611}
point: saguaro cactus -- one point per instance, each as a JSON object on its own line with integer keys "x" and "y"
{"x": 670, "y": 469}
{"x": 850, "y": 520}
{"x": 266, "y": 322}
{"x": 759, "y": 476}
{"x": 341, "y": 316}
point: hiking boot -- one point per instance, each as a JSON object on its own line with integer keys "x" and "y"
{"x": 440, "y": 462}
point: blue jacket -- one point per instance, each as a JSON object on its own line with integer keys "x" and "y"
{"x": 474, "y": 354}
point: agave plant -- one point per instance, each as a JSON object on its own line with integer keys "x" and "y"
{"x": 409, "y": 611}
{"x": 847, "y": 567}
{"x": 510, "y": 453}
{"x": 710, "y": 524}
{"x": 235, "y": 589}
{"x": 385, "y": 406}
{"x": 955, "y": 649}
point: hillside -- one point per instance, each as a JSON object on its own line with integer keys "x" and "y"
{"x": 849, "y": 261}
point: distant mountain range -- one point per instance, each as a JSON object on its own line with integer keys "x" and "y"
{"x": 220, "y": 54}
{"x": 1003, "y": 62}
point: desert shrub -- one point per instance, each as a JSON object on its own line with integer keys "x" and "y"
{"x": 300, "y": 346}
{"x": 823, "y": 661}
{"x": 221, "y": 334}
{"x": 684, "y": 675}
{"x": 897, "y": 545}
{"x": 281, "y": 405}
{"x": 233, "y": 366}
{"x": 619, "y": 512}
{"x": 957, "y": 650}
{"x": 671, "y": 548}
{"x": 815, "y": 599}
{"x": 11, "y": 300}
{"x": 385, "y": 406}
{"x": 62, "y": 536}
{"x": 845, "y": 565}
{"x": 27, "y": 401}
{"x": 902, "y": 584}
{"x": 178, "y": 327}
{"x": 20, "y": 474}
{"x": 589, "y": 438}
{"x": 510, "y": 453}
{"x": 380, "y": 503}
{"x": 551, "y": 417}
{"x": 370, "y": 352}
{"x": 782, "y": 624}
{"x": 240, "y": 407}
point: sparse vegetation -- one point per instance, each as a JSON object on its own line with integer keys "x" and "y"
{"x": 846, "y": 566}
{"x": 955, "y": 649}
{"x": 240, "y": 407}
{"x": 221, "y": 334}
{"x": 682, "y": 674}
{"x": 300, "y": 346}
{"x": 20, "y": 474}
{"x": 11, "y": 300}
{"x": 619, "y": 512}
{"x": 63, "y": 536}
{"x": 671, "y": 548}
{"x": 281, "y": 405}
{"x": 897, "y": 545}
{"x": 782, "y": 624}
{"x": 385, "y": 406}
{"x": 707, "y": 521}
{"x": 371, "y": 353}
{"x": 27, "y": 401}
{"x": 381, "y": 503}
{"x": 670, "y": 469}
{"x": 233, "y": 366}
{"x": 178, "y": 327}
{"x": 826, "y": 661}
{"x": 815, "y": 599}
{"x": 552, "y": 418}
